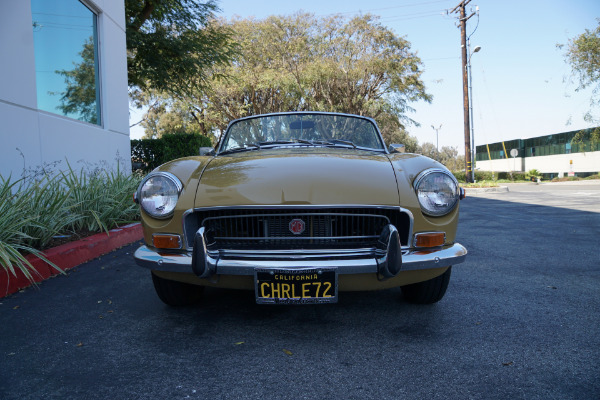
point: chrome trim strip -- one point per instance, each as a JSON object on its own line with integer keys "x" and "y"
{"x": 305, "y": 206}
{"x": 293, "y": 254}
{"x": 411, "y": 260}
{"x": 298, "y": 238}
{"x": 303, "y": 214}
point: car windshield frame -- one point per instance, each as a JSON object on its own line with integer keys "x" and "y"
{"x": 302, "y": 129}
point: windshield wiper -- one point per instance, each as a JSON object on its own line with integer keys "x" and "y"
{"x": 333, "y": 142}
{"x": 285, "y": 142}
{"x": 274, "y": 142}
{"x": 304, "y": 141}
{"x": 246, "y": 147}
{"x": 344, "y": 142}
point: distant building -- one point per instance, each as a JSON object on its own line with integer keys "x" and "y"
{"x": 552, "y": 155}
{"x": 63, "y": 84}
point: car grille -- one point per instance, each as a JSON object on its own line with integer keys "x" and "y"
{"x": 270, "y": 228}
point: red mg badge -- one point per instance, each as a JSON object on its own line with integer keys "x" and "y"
{"x": 297, "y": 226}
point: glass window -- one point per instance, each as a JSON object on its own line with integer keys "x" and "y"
{"x": 318, "y": 129}
{"x": 66, "y": 59}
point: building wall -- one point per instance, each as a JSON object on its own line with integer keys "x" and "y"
{"x": 31, "y": 137}
{"x": 554, "y": 164}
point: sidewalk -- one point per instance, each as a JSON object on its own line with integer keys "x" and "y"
{"x": 476, "y": 191}
{"x": 506, "y": 187}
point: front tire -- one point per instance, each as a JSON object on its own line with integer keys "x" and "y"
{"x": 427, "y": 292}
{"x": 177, "y": 294}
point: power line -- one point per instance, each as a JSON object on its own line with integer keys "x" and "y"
{"x": 425, "y": 14}
{"x": 388, "y": 8}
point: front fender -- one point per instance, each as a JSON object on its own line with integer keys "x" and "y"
{"x": 407, "y": 167}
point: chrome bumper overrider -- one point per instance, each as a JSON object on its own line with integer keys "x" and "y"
{"x": 386, "y": 261}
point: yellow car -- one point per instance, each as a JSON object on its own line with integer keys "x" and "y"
{"x": 300, "y": 207}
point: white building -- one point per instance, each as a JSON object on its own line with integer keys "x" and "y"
{"x": 552, "y": 155}
{"x": 63, "y": 84}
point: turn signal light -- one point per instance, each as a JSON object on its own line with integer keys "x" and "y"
{"x": 166, "y": 241}
{"x": 432, "y": 239}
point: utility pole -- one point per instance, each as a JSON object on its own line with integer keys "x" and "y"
{"x": 463, "y": 37}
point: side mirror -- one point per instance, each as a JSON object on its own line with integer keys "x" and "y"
{"x": 397, "y": 148}
{"x": 207, "y": 151}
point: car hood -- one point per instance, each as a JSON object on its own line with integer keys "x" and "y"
{"x": 298, "y": 177}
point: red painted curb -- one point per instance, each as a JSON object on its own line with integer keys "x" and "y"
{"x": 70, "y": 255}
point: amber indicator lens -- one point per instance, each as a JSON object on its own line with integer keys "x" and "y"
{"x": 166, "y": 241}
{"x": 430, "y": 239}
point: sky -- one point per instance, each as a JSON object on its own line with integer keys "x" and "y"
{"x": 521, "y": 85}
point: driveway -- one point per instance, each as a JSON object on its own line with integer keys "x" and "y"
{"x": 521, "y": 319}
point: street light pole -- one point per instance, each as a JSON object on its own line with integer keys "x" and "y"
{"x": 475, "y": 50}
{"x": 437, "y": 140}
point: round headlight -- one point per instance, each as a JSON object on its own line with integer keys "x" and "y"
{"x": 158, "y": 194}
{"x": 437, "y": 191}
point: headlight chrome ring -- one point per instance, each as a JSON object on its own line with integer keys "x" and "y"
{"x": 158, "y": 194}
{"x": 437, "y": 191}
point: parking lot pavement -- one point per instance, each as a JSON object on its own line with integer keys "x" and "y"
{"x": 521, "y": 319}
{"x": 576, "y": 195}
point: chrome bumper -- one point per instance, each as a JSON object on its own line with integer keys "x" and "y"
{"x": 387, "y": 261}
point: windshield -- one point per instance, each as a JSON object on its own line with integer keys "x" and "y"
{"x": 302, "y": 129}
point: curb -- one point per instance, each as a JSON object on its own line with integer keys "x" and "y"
{"x": 70, "y": 255}
{"x": 476, "y": 191}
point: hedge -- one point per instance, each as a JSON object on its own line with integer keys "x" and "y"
{"x": 491, "y": 176}
{"x": 147, "y": 154}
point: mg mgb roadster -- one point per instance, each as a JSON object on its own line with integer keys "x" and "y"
{"x": 300, "y": 207}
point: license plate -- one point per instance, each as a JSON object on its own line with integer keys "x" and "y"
{"x": 296, "y": 286}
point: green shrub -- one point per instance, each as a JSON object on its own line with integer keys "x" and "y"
{"x": 48, "y": 204}
{"x": 519, "y": 176}
{"x": 492, "y": 176}
{"x": 16, "y": 218}
{"x": 479, "y": 176}
{"x": 147, "y": 154}
{"x": 460, "y": 176}
{"x": 484, "y": 176}
{"x": 101, "y": 200}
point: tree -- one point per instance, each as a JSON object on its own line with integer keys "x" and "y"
{"x": 80, "y": 96}
{"x": 172, "y": 44}
{"x": 447, "y": 155}
{"x": 303, "y": 62}
{"x": 168, "y": 115}
{"x": 583, "y": 54}
{"x": 450, "y": 158}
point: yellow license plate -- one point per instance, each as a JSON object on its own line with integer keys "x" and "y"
{"x": 296, "y": 286}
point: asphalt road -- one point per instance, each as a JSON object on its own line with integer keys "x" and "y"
{"x": 520, "y": 320}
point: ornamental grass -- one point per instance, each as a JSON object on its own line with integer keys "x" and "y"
{"x": 34, "y": 210}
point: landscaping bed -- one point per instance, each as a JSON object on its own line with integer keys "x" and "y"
{"x": 74, "y": 212}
